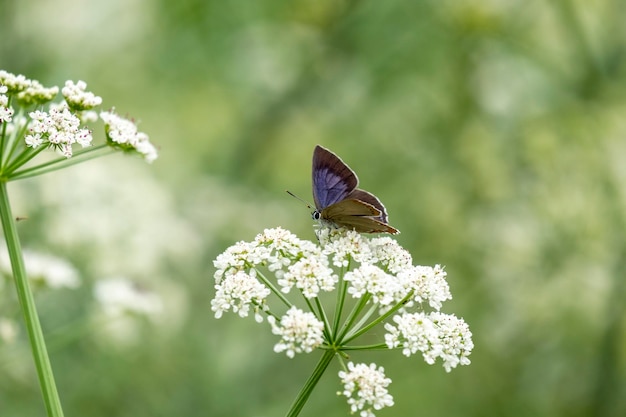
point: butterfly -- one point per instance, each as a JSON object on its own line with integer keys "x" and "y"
{"x": 338, "y": 201}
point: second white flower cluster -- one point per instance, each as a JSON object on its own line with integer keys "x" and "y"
{"x": 376, "y": 272}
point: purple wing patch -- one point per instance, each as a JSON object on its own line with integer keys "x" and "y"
{"x": 333, "y": 180}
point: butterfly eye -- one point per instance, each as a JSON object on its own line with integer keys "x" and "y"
{"x": 316, "y": 215}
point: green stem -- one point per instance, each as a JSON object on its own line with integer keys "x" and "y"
{"x": 376, "y": 346}
{"x": 353, "y": 335}
{"x": 342, "y": 288}
{"x": 273, "y": 288}
{"x": 347, "y": 326}
{"x": 306, "y": 391}
{"x": 27, "y": 303}
{"x": 324, "y": 317}
{"x": 26, "y": 155}
{"x": 55, "y": 164}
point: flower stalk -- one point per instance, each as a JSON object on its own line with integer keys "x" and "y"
{"x": 29, "y": 310}
{"x": 310, "y": 384}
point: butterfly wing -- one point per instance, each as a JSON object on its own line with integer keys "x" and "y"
{"x": 357, "y": 215}
{"x": 333, "y": 180}
{"x": 371, "y": 199}
{"x": 339, "y": 202}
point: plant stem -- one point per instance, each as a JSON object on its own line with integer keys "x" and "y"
{"x": 56, "y": 164}
{"x": 306, "y": 391}
{"x": 27, "y": 303}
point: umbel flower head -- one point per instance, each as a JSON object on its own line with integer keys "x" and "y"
{"x": 30, "y": 122}
{"x": 377, "y": 289}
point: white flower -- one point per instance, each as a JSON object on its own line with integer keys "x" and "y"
{"x": 8, "y": 330}
{"x": 299, "y": 331}
{"x": 390, "y": 254}
{"x": 237, "y": 292}
{"x": 234, "y": 259}
{"x": 36, "y": 93}
{"x": 119, "y": 296}
{"x": 14, "y": 83}
{"x": 58, "y": 128}
{"x": 311, "y": 275}
{"x": 43, "y": 269}
{"x": 6, "y": 113}
{"x": 344, "y": 246}
{"x": 436, "y": 335}
{"x": 283, "y": 248}
{"x": 79, "y": 99}
{"x": 122, "y": 133}
{"x": 429, "y": 284}
{"x": 366, "y": 388}
{"x": 383, "y": 287}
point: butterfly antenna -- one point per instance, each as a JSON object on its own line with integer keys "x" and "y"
{"x": 298, "y": 198}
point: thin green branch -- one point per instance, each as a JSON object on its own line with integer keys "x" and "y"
{"x": 375, "y": 322}
{"x": 56, "y": 164}
{"x": 273, "y": 288}
{"x": 348, "y": 325}
{"x": 29, "y": 311}
{"x": 307, "y": 389}
{"x": 14, "y": 141}
{"x": 342, "y": 289}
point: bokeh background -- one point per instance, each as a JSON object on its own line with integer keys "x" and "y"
{"x": 493, "y": 131}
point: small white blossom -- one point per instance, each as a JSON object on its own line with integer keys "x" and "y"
{"x": 122, "y": 133}
{"x": 119, "y": 296}
{"x": 344, "y": 246}
{"x": 436, "y": 335}
{"x": 79, "y": 99}
{"x": 6, "y": 112}
{"x": 274, "y": 248}
{"x": 43, "y": 269}
{"x": 89, "y": 116}
{"x": 234, "y": 259}
{"x": 58, "y": 128}
{"x": 366, "y": 388}
{"x": 389, "y": 253}
{"x": 383, "y": 287}
{"x": 300, "y": 332}
{"x": 310, "y": 275}
{"x": 36, "y": 93}
{"x": 14, "y": 83}
{"x": 237, "y": 292}
{"x": 8, "y": 330}
{"x": 282, "y": 248}
{"x": 429, "y": 284}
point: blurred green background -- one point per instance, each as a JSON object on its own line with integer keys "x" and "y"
{"x": 493, "y": 131}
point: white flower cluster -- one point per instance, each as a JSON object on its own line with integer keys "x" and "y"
{"x": 122, "y": 133}
{"x": 43, "y": 269}
{"x": 59, "y": 128}
{"x": 237, "y": 292}
{"x": 295, "y": 262}
{"x": 299, "y": 331}
{"x": 384, "y": 270}
{"x": 15, "y": 83}
{"x": 8, "y": 330}
{"x": 77, "y": 98}
{"x": 119, "y": 296}
{"x": 366, "y": 388}
{"x": 27, "y": 91}
{"x": 6, "y": 112}
{"x": 375, "y": 268}
{"x": 435, "y": 335}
